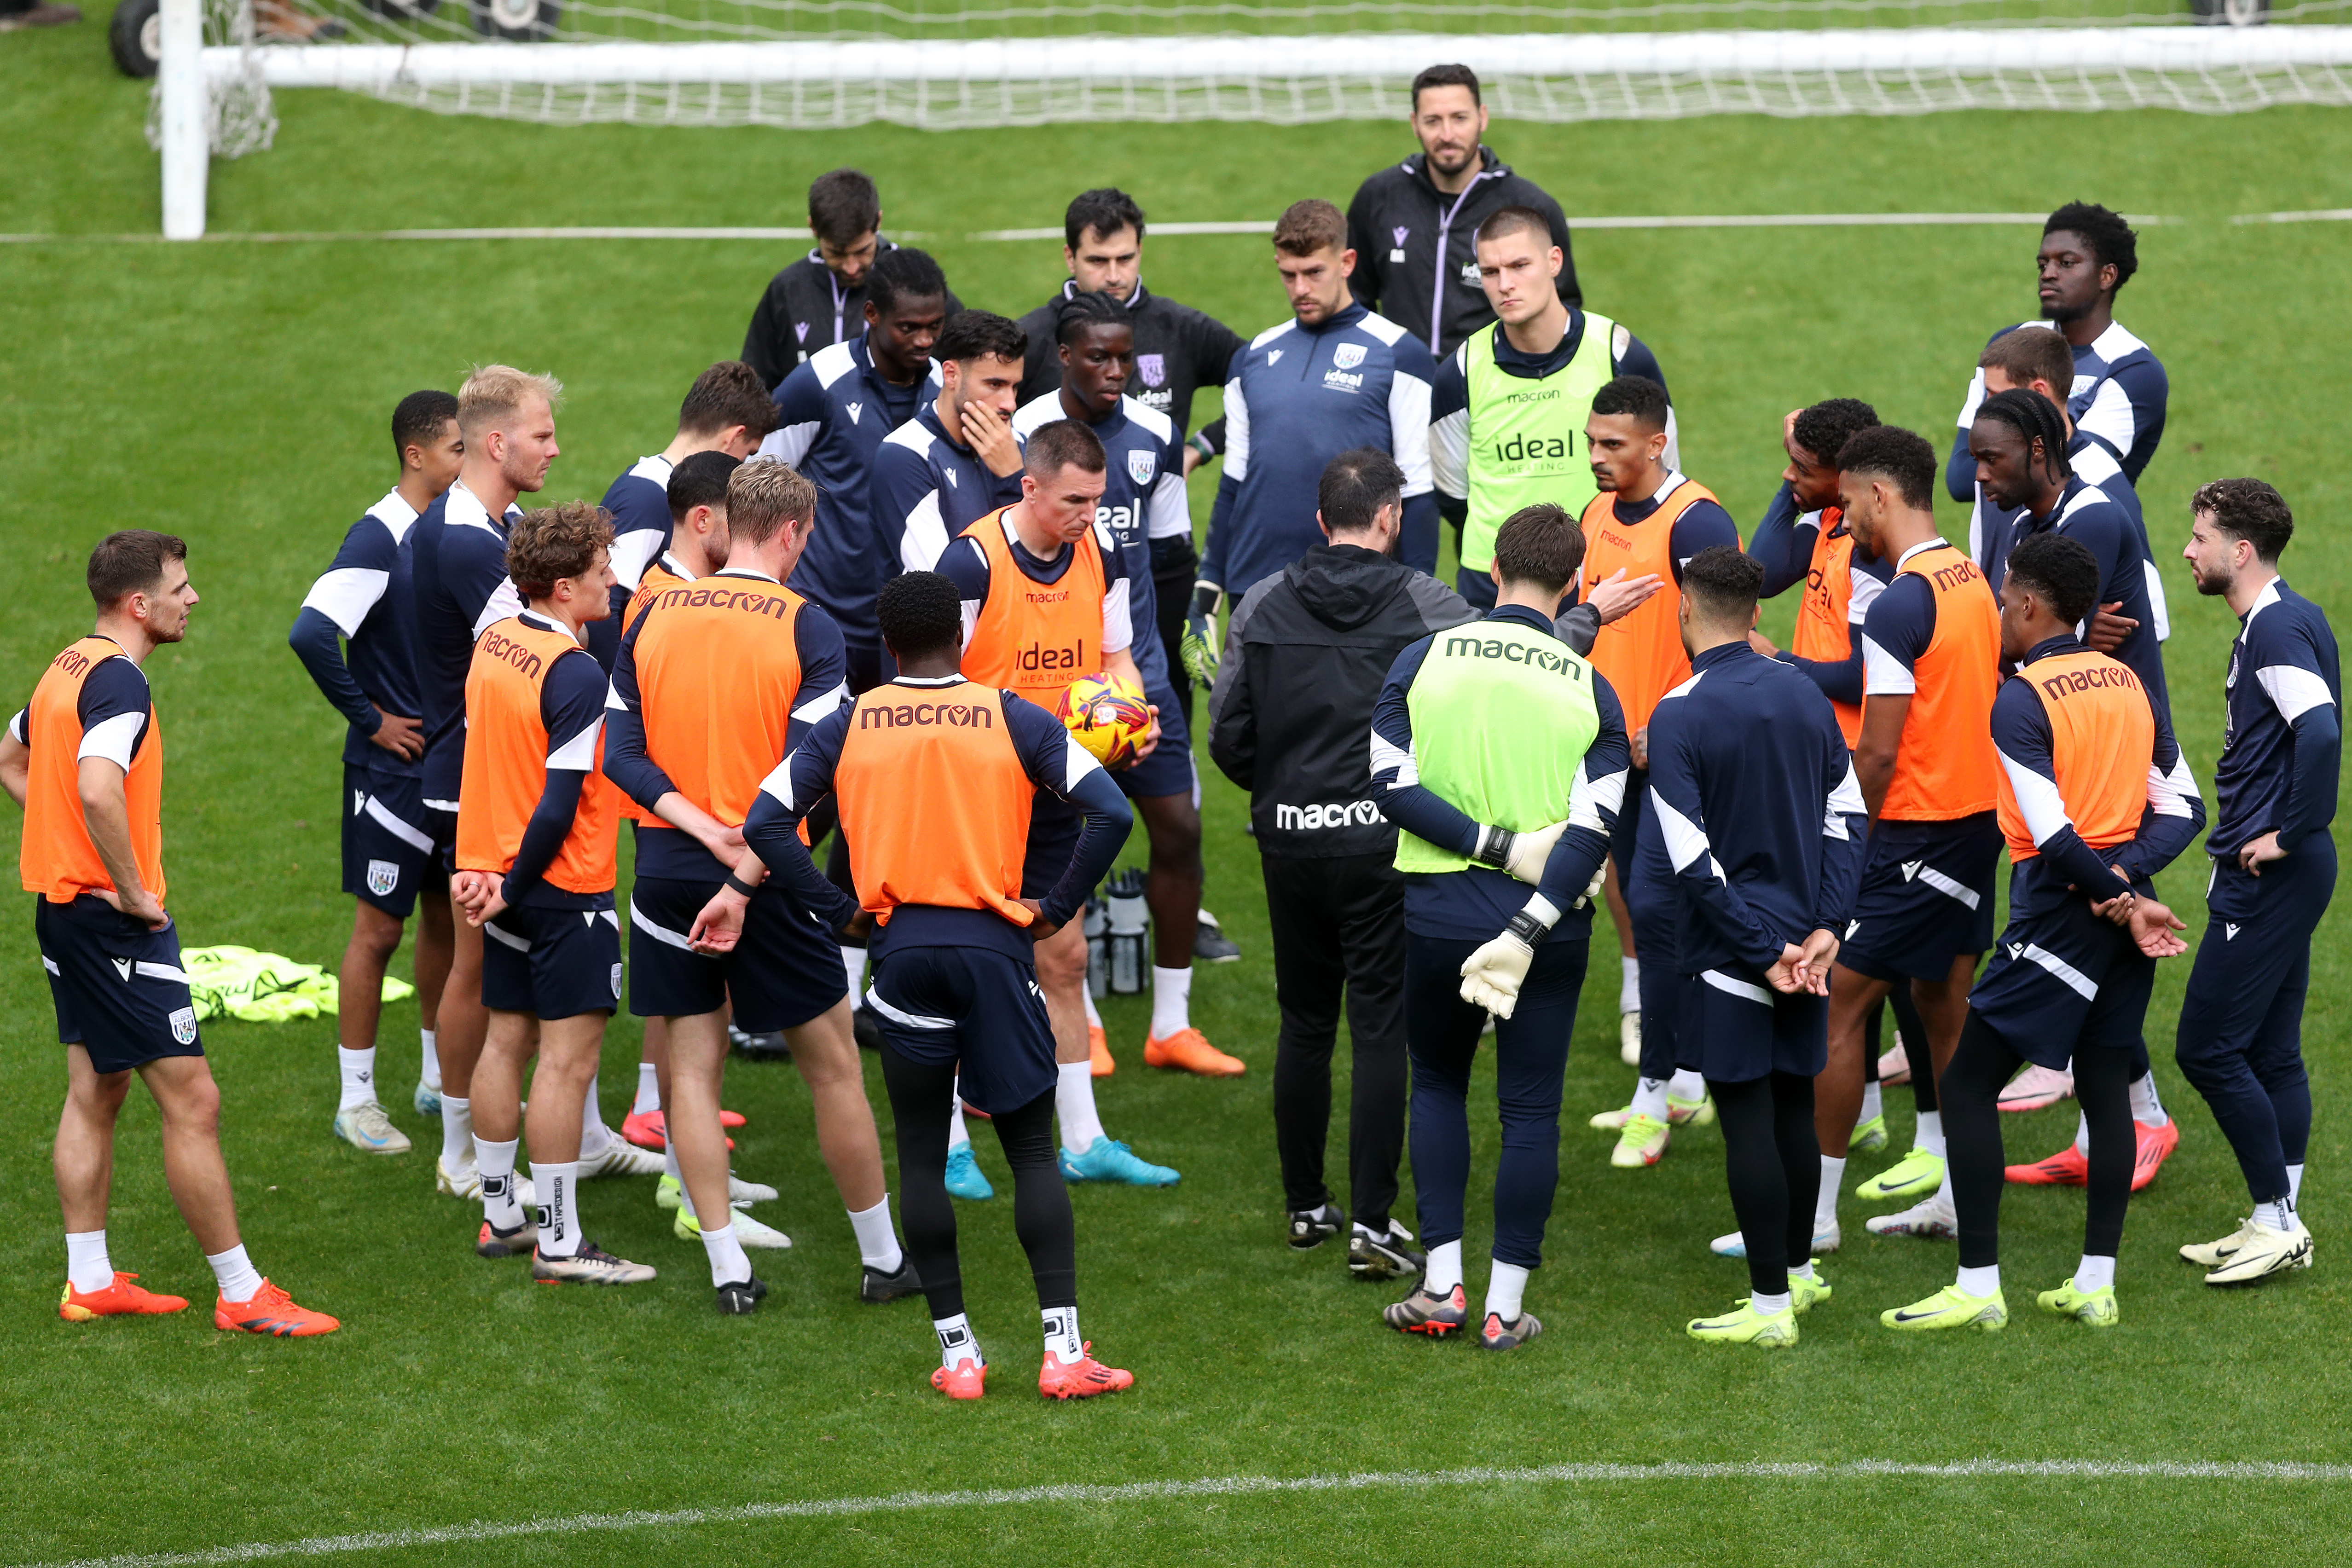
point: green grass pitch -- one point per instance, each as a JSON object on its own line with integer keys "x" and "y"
{"x": 238, "y": 395}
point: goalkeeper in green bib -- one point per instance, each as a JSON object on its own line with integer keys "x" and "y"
{"x": 1507, "y": 412}
{"x": 1501, "y": 754}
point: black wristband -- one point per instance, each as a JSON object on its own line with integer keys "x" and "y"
{"x": 1528, "y": 928}
{"x": 1494, "y": 846}
{"x": 739, "y": 884}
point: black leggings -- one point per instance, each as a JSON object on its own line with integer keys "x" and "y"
{"x": 921, "y": 1100}
{"x": 1971, "y": 1086}
{"x": 1915, "y": 1046}
{"x": 1773, "y": 1160}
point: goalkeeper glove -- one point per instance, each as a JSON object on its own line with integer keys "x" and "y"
{"x": 1521, "y": 854}
{"x": 1492, "y": 975}
{"x": 1199, "y": 646}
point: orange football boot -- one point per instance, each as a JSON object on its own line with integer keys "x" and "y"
{"x": 120, "y": 1298}
{"x": 1189, "y": 1051}
{"x": 1099, "y": 1059}
{"x": 1081, "y": 1379}
{"x": 967, "y": 1379}
{"x": 273, "y": 1312}
{"x": 2154, "y": 1144}
{"x": 2069, "y": 1166}
{"x": 650, "y": 1129}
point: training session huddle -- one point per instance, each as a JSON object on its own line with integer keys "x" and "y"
{"x": 891, "y": 651}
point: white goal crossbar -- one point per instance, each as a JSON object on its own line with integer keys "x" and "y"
{"x": 1552, "y": 77}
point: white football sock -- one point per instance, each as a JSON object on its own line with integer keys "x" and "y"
{"x": 648, "y": 1098}
{"x": 234, "y": 1271}
{"x": 1687, "y": 1086}
{"x": 956, "y": 1134}
{"x": 1981, "y": 1281}
{"x": 1074, "y": 1104}
{"x": 1873, "y": 1105}
{"x": 497, "y": 1164}
{"x": 1171, "y": 998}
{"x": 956, "y": 1341}
{"x": 456, "y": 1132}
{"x": 1650, "y": 1097}
{"x": 428, "y": 1067}
{"x": 1825, "y": 1205}
{"x": 2083, "y": 1134}
{"x": 2147, "y": 1109}
{"x": 1767, "y": 1305}
{"x": 877, "y": 1244}
{"x": 2277, "y": 1215}
{"x": 559, "y": 1207}
{"x": 1061, "y": 1324}
{"x": 670, "y": 1163}
{"x": 1930, "y": 1134}
{"x": 2094, "y": 1273}
{"x": 1443, "y": 1269}
{"x": 594, "y": 1133}
{"x": 729, "y": 1266}
{"x": 359, "y": 1077}
{"x": 1505, "y": 1288}
{"x": 1629, "y": 987}
{"x": 853, "y": 968}
{"x": 2294, "y": 1185}
{"x": 1093, "y": 1014}
{"x": 1803, "y": 1270}
{"x": 86, "y": 1264}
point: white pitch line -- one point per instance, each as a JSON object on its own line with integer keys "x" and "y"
{"x": 1229, "y": 1486}
{"x": 2323, "y": 216}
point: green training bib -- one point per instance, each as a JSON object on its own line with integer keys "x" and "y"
{"x": 1527, "y": 437}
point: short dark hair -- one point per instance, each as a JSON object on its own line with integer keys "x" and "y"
{"x": 700, "y": 481}
{"x": 1891, "y": 453}
{"x": 730, "y": 392}
{"x": 1075, "y": 314}
{"x": 2061, "y": 570}
{"x": 1504, "y": 221}
{"x": 2247, "y": 510}
{"x": 1105, "y": 211}
{"x": 130, "y": 561}
{"x": 1063, "y": 444}
{"x": 556, "y": 543}
{"x": 1723, "y": 580}
{"x": 1354, "y": 487}
{"x": 418, "y": 419}
{"x": 900, "y": 273}
{"x": 1541, "y": 545}
{"x": 1308, "y": 227}
{"x": 980, "y": 334}
{"x": 2113, "y": 241}
{"x": 843, "y": 206}
{"x": 2031, "y": 353}
{"x": 1825, "y": 427}
{"x": 1639, "y": 396}
{"x": 2035, "y": 418}
{"x": 1446, "y": 76}
{"x": 920, "y": 613}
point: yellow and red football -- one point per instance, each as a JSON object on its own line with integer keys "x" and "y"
{"x": 1109, "y": 716}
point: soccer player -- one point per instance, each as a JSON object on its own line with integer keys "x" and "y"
{"x": 85, "y": 760}
{"x": 1500, "y": 756}
{"x": 535, "y": 875}
{"x": 1931, "y": 656}
{"x": 1507, "y": 424}
{"x": 1178, "y": 350}
{"x": 363, "y": 600}
{"x": 1307, "y": 651}
{"x": 1352, "y": 379}
{"x": 819, "y": 300}
{"x": 935, "y": 775}
{"x": 957, "y": 460}
{"x": 1045, "y": 601}
{"x": 726, "y": 410}
{"x": 1644, "y": 521}
{"x": 1410, "y": 226}
{"x": 2094, "y": 800}
{"x": 2241, "y": 1039}
{"x": 2118, "y": 390}
{"x": 1756, "y": 797}
{"x": 691, "y": 752}
{"x": 1143, "y": 500}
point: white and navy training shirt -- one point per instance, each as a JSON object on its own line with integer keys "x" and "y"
{"x": 2285, "y": 739}
{"x": 1783, "y": 546}
{"x": 639, "y": 502}
{"x": 365, "y": 598}
{"x": 458, "y": 563}
{"x": 2117, "y": 398}
{"x": 928, "y": 488}
{"x": 2090, "y": 516}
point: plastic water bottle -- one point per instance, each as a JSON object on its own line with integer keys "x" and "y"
{"x": 1130, "y": 926}
{"x": 1097, "y": 924}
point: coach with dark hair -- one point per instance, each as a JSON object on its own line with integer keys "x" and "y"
{"x": 1411, "y": 225}
{"x": 1291, "y": 721}
{"x": 820, "y": 300}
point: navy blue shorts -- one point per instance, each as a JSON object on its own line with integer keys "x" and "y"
{"x": 2063, "y": 982}
{"x": 388, "y": 843}
{"x": 552, "y": 962}
{"x": 785, "y": 971}
{"x": 119, "y": 991}
{"x": 442, "y": 828}
{"x": 971, "y": 1007}
{"x": 1169, "y": 769}
{"x": 1735, "y": 1029}
{"x": 1926, "y": 897}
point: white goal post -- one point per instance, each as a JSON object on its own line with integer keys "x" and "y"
{"x": 1557, "y": 76}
